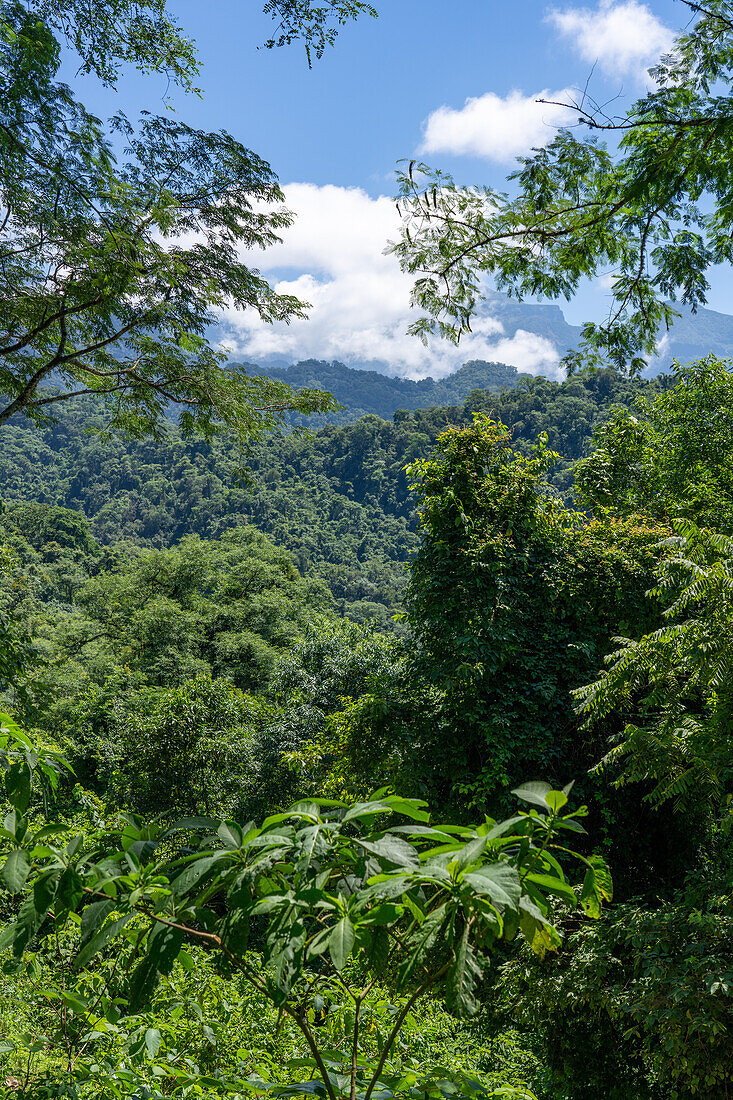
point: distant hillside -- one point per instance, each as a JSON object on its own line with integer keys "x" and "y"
{"x": 338, "y": 501}
{"x": 362, "y": 392}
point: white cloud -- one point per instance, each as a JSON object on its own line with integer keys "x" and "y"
{"x": 333, "y": 258}
{"x": 497, "y": 128}
{"x": 623, "y": 38}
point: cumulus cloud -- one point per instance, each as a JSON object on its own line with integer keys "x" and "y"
{"x": 495, "y": 127}
{"x": 623, "y": 38}
{"x": 333, "y": 258}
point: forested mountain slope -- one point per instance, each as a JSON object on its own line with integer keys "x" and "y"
{"x": 337, "y": 500}
{"x": 367, "y": 391}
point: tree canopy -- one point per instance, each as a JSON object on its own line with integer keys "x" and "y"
{"x": 120, "y": 243}
{"x": 655, "y": 209}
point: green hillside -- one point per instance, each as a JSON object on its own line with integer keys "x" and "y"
{"x": 366, "y": 391}
{"x": 338, "y": 500}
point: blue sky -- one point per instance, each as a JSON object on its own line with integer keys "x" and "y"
{"x": 455, "y": 84}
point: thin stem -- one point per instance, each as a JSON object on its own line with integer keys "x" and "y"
{"x": 355, "y": 1047}
{"x": 303, "y": 1025}
{"x": 398, "y": 1024}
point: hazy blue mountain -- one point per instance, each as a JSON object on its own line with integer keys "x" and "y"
{"x": 692, "y": 336}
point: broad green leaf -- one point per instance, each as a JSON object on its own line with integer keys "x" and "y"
{"x": 604, "y": 882}
{"x": 152, "y": 1042}
{"x": 597, "y": 886}
{"x": 18, "y": 786}
{"x": 541, "y": 937}
{"x": 163, "y": 946}
{"x": 551, "y": 884}
{"x": 556, "y": 800}
{"x": 93, "y": 916}
{"x": 393, "y": 849}
{"x": 499, "y": 882}
{"x": 462, "y": 978}
{"x": 77, "y": 1006}
{"x": 503, "y": 827}
{"x": 421, "y": 942}
{"x": 409, "y": 807}
{"x": 471, "y": 852}
{"x": 341, "y": 943}
{"x": 534, "y": 793}
{"x": 230, "y": 834}
{"x": 589, "y": 895}
{"x": 98, "y": 942}
{"x": 384, "y": 914}
{"x": 198, "y": 871}
{"x": 15, "y": 871}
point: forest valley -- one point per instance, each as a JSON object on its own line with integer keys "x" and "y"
{"x": 191, "y": 645}
{"x": 391, "y": 760}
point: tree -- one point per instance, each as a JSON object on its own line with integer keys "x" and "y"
{"x": 512, "y": 600}
{"x": 197, "y": 749}
{"x": 669, "y": 688}
{"x": 668, "y": 456}
{"x": 673, "y": 685}
{"x": 119, "y": 246}
{"x": 657, "y": 211}
{"x": 314, "y": 908}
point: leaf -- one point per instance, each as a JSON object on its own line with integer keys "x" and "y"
{"x": 462, "y": 979}
{"x": 504, "y": 826}
{"x": 534, "y": 793}
{"x": 471, "y": 852}
{"x": 93, "y": 916}
{"x": 597, "y": 886}
{"x": 393, "y": 849}
{"x": 98, "y": 942}
{"x": 554, "y": 885}
{"x": 152, "y": 1042}
{"x": 421, "y": 942}
{"x": 556, "y": 800}
{"x": 604, "y": 882}
{"x": 230, "y": 835}
{"x": 69, "y": 892}
{"x": 499, "y": 882}
{"x": 384, "y": 914}
{"x": 196, "y": 872}
{"x": 541, "y": 937}
{"x": 18, "y": 786}
{"x": 50, "y": 830}
{"x": 570, "y": 825}
{"x": 15, "y": 871}
{"x": 409, "y": 807}
{"x": 163, "y": 946}
{"x": 341, "y": 943}
{"x": 186, "y": 961}
{"x": 27, "y": 924}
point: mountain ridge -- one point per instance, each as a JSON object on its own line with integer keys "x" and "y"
{"x": 365, "y": 392}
